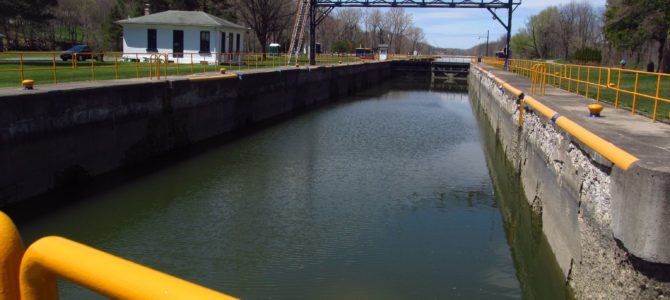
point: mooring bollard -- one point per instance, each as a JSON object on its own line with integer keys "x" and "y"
{"x": 28, "y": 84}
{"x": 595, "y": 109}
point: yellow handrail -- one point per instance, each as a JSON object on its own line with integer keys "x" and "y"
{"x": 572, "y": 78}
{"x": 104, "y": 273}
{"x": 608, "y": 150}
{"x": 31, "y": 275}
{"x": 11, "y": 250}
{"x": 45, "y": 67}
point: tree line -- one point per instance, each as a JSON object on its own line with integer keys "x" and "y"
{"x": 349, "y": 28}
{"x": 47, "y": 25}
{"x": 633, "y": 30}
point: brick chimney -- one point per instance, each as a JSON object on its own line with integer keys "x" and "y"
{"x": 147, "y": 9}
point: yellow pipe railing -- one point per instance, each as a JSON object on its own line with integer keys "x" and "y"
{"x": 578, "y": 79}
{"x": 45, "y": 67}
{"x": 11, "y": 251}
{"x": 608, "y": 150}
{"x": 106, "y": 274}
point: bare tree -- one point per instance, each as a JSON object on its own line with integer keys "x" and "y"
{"x": 416, "y": 37}
{"x": 567, "y": 26}
{"x": 349, "y": 20}
{"x": 398, "y": 22}
{"x": 374, "y": 27}
{"x": 265, "y": 17}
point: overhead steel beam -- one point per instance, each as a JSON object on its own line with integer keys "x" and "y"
{"x": 419, "y": 3}
{"x": 490, "y": 5}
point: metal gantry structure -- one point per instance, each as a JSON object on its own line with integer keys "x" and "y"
{"x": 316, "y": 14}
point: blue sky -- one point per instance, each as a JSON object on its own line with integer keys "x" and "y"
{"x": 460, "y": 28}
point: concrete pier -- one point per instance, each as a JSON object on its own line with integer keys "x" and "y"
{"x": 608, "y": 226}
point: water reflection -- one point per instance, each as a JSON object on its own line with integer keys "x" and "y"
{"x": 383, "y": 196}
{"x": 537, "y": 271}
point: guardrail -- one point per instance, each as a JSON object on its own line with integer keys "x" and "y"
{"x": 608, "y": 150}
{"x": 622, "y": 87}
{"x": 31, "y": 274}
{"x": 50, "y": 67}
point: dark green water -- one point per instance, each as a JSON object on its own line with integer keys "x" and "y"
{"x": 386, "y": 196}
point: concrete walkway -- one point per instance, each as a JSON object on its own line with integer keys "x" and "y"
{"x": 638, "y": 135}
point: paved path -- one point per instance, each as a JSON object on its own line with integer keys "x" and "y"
{"x": 638, "y": 135}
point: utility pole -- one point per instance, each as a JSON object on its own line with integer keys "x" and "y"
{"x": 509, "y": 33}
{"x": 487, "y": 42}
{"x": 312, "y": 32}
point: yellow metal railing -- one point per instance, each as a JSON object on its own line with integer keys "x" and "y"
{"x": 616, "y": 155}
{"x": 49, "y": 67}
{"x": 539, "y": 78}
{"x": 622, "y": 87}
{"x": 108, "y": 275}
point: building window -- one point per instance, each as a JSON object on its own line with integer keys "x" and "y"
{"x": 204, "y": 41}
{"x": 237, "y": 43}
{"x": 231, "y": 37}
{"x": 151, "y": 41}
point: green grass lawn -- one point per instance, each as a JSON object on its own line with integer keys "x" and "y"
{"x": 625, "y": 79}
{"x": 43, "y": 69}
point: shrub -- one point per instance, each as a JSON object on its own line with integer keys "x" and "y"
{"x": 587, "y": 54}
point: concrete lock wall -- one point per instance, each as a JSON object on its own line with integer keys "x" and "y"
{"x": 54, "y": 139}
{"x": 583, "y": 200}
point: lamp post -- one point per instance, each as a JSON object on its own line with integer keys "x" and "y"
{"x": 487, "y": 41}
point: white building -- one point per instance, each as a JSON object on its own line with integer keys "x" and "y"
{"x": 186, "y": 36}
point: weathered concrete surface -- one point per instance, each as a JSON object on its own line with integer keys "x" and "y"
{"x": 640, "y": 204}
{"x": 576, "y": 190}
{"x": 60, "y": 135}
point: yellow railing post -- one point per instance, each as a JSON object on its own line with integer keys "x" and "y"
{"x": 116, "y": 67}
{"x": 137, "y": 65}
{"x": 544, "y": 80}
{"x": 167, "y": 64}
{"x": 579, "y": 78}
{"x": 11, "y": 251}
{"x": 533, "y": 80}
{"x": 21, "y": 66}
{"x": 588, "y": 80}
{"x": 658, "y": 90}
{"x": 53, "y": 65}
{"x": 92, "y": 68}
{"x": 600, "y": 73}
{"x": 570, "y": 79}
{"x": 637, "y": 77}
{"x": 151, "y": 66}
{"x": 618, "y": 87}
{"x": 101, "y": 272}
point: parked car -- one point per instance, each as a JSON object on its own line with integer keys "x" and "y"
{"x": 81, "y": 53}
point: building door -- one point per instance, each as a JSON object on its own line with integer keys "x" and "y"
{"x": 178, "y": 43}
